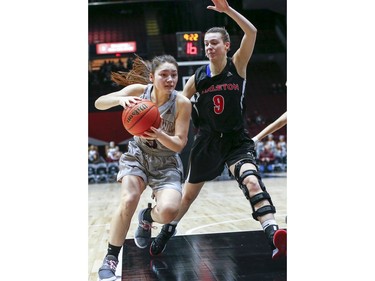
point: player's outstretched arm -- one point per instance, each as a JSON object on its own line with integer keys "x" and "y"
{"x": 273, "y": 127}
{"x": 124, "y": 97}
{"x": 242, "y": 56}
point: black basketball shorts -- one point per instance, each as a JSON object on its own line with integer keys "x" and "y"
{"x": 211, "y": 151}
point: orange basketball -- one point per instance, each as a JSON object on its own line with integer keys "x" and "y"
{"x": 141, "y": 117}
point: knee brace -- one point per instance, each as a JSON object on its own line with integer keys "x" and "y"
{"x": 268, "y": 209}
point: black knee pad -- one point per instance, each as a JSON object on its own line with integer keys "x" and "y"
{"x": 240, "y": 179}
{"x": 264, "y": 195}
{"x": 268, "y": 209}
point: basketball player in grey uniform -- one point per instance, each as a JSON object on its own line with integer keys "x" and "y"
{"x": 151, "y": 160}
{"x": 218, "y": 113}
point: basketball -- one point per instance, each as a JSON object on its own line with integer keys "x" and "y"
{"x": 141, "y": 117}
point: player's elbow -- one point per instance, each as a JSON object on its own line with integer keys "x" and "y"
{"x": 98, "y": 104}
{"x": 181, "y": 145}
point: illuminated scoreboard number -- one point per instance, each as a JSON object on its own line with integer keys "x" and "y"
{"x": 189, "y": 44}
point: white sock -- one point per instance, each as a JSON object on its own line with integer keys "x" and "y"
{"x": 267, "y": 223}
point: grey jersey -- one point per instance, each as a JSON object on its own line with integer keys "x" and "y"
{"x": 168, "y": 115}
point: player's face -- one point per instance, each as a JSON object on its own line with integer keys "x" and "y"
{"x": 165, "y": 77}
{"x": 214, "y": 45}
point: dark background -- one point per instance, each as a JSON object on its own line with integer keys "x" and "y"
{"x": 153, "y": 25}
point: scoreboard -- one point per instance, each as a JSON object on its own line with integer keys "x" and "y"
{"x": 189, "y": 44}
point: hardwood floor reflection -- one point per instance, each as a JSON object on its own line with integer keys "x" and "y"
{"x": 220, "y": 208}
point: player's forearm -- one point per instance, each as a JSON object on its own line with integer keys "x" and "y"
{"x": 268, "y": 130}
{"x": 174, "y": 143}
{"x": 243, "y": 22}
{"x": 106, "y": 102}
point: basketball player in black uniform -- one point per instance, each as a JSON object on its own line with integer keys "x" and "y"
{"x": 217, "y": 92}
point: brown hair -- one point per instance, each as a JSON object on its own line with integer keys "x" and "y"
{"x": 224, "y": 33}
{"x": 140, "y": 72}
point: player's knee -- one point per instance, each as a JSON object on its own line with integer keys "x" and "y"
{"x": 248, "y": 180}
{"x": 129, "y": 201}
{"x": 252, "y": 184}
{"x": 130, "y": 196}
{"x": 167, "y": 213}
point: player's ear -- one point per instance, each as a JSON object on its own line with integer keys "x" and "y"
{"x": 151, "y": 77}
{"x": 227, "y": 46}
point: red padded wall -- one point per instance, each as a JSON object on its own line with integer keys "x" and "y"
{"x": 107, "y": 126}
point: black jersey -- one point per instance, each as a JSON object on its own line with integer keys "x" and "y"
{"x": 219, "y": 105}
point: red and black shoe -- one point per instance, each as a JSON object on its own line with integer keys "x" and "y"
{"x": 160, "y": 241}
{"x": 279, "y": 241}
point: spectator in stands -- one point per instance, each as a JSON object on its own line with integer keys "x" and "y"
{"x": 271, "y": 128}
{"x": 266, "y": 159}
{"x": 94, "y": 155}
{"x": 281, "y": 150}
{"x": 270, "y": 142}
{"x": 120, "y": 66}
{"x": 112, "y": 152}
{"x": 259, "y": 146}
{"x": 117, "y": 153}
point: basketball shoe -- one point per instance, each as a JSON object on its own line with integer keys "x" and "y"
{"x": 160, "y": 241}
{"x": 279, "y": 241}
{"x": 107, "y": 272}
{"x": 142, "y": 235}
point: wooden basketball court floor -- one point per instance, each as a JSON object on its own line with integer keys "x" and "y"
{"x": 216, "y": 240}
